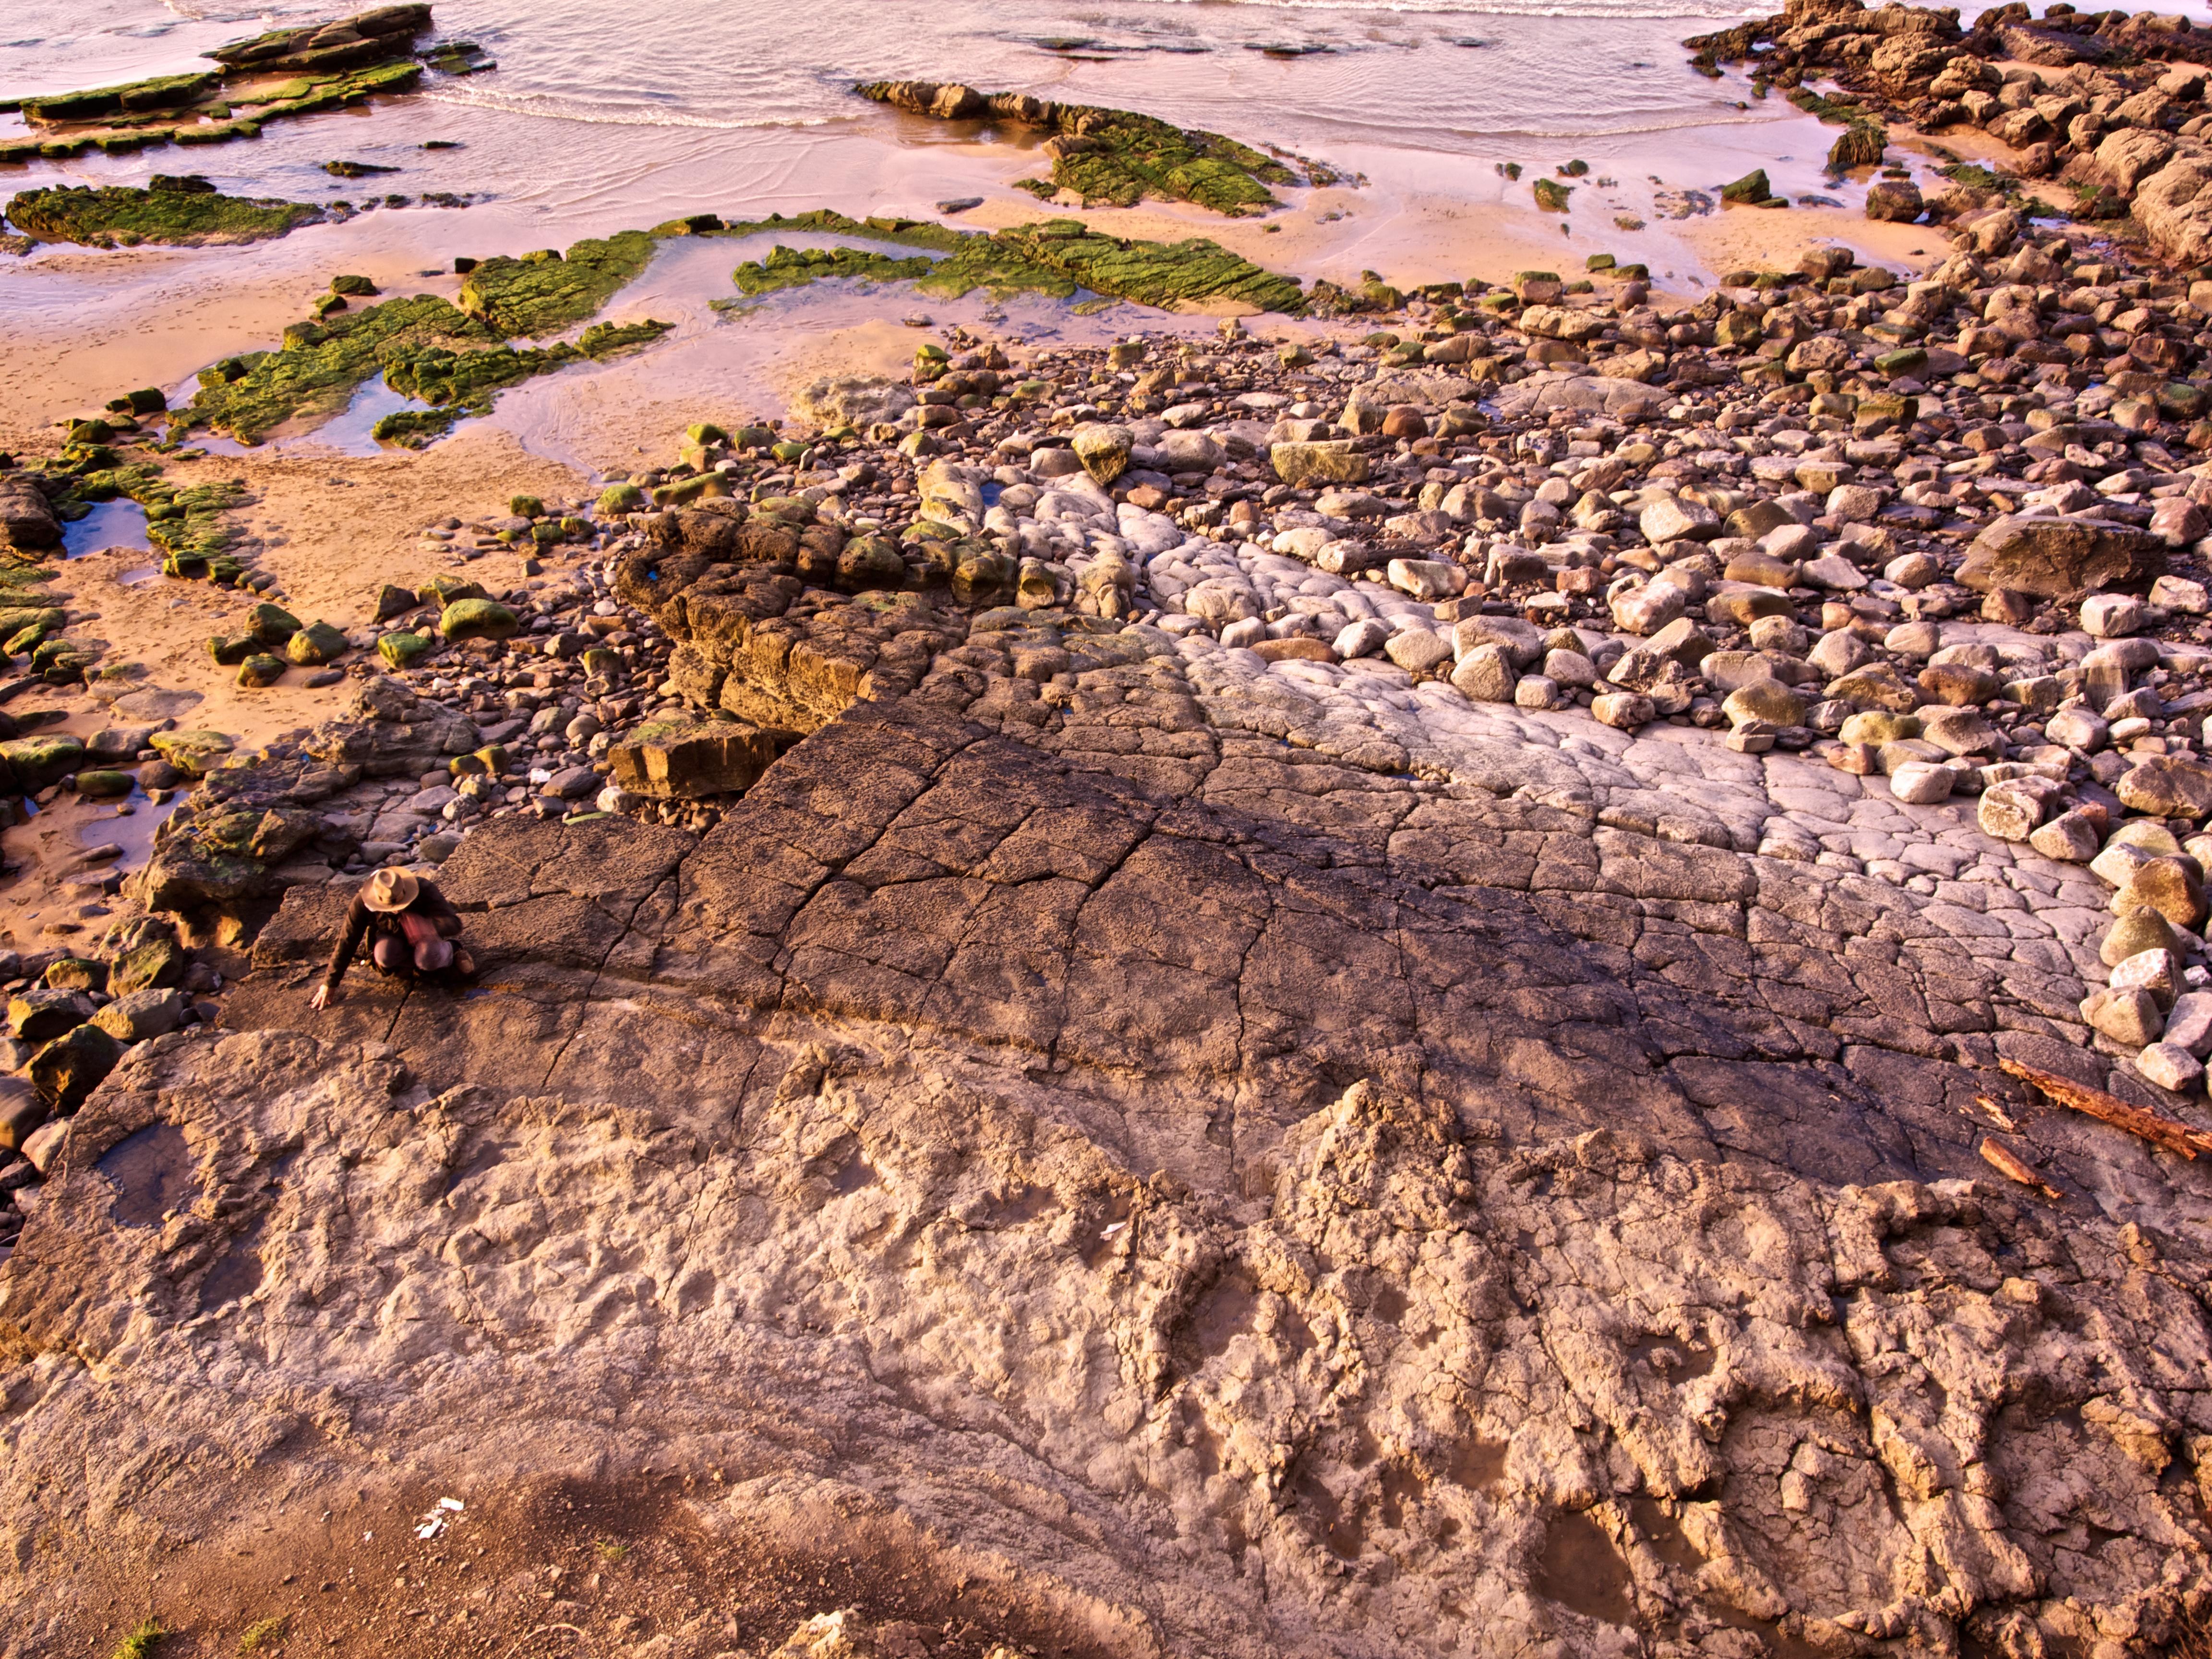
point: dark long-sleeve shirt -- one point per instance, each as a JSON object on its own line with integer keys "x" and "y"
{"x": 363, "y": 923}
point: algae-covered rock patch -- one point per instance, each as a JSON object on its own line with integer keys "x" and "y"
{"x": 543, "y": 292}
{"x": 425, "y": 347}
{"x": 320, "y": 365}
{"x": 1059, "y": 257}
{"x": 793, "y": 267}
{"x": 1115, "y": 156}
{"x": 284, "y": 72}
{"x": 112, "y": 216}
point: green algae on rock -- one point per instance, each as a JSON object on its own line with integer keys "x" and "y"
{"x": 285, "y": 72}
{"x": 1061, "y": 255}
{"x": 1058, "y": 257}
{"x": 321, "y": 365}
{"x": 543, "y": 292}
{"x": 792, "y": 267}
{"x": 112, "y": 216}
{"x": 1114, "y": 157}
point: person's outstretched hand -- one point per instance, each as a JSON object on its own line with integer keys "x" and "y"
{"x": 321, "y": 999}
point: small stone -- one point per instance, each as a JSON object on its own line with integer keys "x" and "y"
{"x": 72, "y": 1066}
{"x": 1360, "y": 639}
{"x": 1537, "y": 691}
{"x": 2129, "y": 1018}
{"x": 1427, "y": 580}
{"x": 1417, "y": 651}
{"x": 1673, "y": 519}
{"x": 2070, "y": 838}
{"x": 1878, "y": 725}
{"x": 1324, "y": 461}
{"x": 2078, "y": 728}
{"x": 2167, "y": 787}
{"x": 2170, "y": 886}
{"x": 2113, "y": 616}
{"x": 2010, "y": 812}
{"x": 260, "y": 671}
{"x": 42, "y": 1148}
{"x": 477, "y": 619}
{"x": 2152, "y": 971}
{"x": 2171, "y": 1065}
{"x": 2131, "y": 935}
{"x": 1485, "y": 674}
{"x": 2182, "y": 594}
{"x": 1103, "y": 450}
{"x": 1961, "y": 731}
{"x": 140, "y": 1015}
{"x": 39, "y": 1016}
{"x": 1648, "y": 609}
{"x": 1769, "y": 700}
{"x": 1622, "y": 710}
{"x": 1922, "y": 783}
{"x": 2189, "y": 1026}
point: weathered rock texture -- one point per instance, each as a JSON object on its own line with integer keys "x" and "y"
{"x": 1301, "y": 1210}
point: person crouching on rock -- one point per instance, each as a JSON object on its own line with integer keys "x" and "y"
{"x": 412, "y": 927}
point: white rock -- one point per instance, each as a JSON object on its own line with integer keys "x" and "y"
{"x": 2171, "y": 1066}
{"x": 2113, "y": 616}
{"x": 1360, "y": 639}
{"x": 44, "y": 1144}
{"x": 2078, "y": 728}
{"x": 2180, "y": 593}
{"x": 2071, "y": 838}
{"x": 1427, "y": 580}
{"x": 2153, "y": 971}
{"x": 1624, "y": 710}
{"x": 1648, "y": 609}
{"x": 1922, "y": 783}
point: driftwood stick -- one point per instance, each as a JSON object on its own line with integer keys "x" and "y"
{"x": 2157, "y": 1127}
{"x": 2010, "y": 1165}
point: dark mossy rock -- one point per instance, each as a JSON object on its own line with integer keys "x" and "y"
{"x": 228, "y": 650}
{"x": 444, "y": 590}
{"x": 261, "y": 670}
{"x": 105, "y": 783}
{"x": 76, "y": 973}
{"x": 393, "y": 601}
{"x": 369, "y": 37}
{"x": 398, "y": 650}
{"x": 271, "y": 624}
{"x": 37, "y": 761}
{"x": 414, "y": 429}
{"x": 790, "y": 267}
{"x": 72, "y": 1066}
{"x": 22, "y": 1112}
{"x": 159, "y": 963}
{"x": 119, "y": 215}
{"x": 315, "y": 645}
{"x": 477, "y": 619}
{"x": 194, "y": 752}
{"x": 525, "y": 506}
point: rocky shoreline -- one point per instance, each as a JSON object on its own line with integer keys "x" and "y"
{"x": 1514, "y": 968}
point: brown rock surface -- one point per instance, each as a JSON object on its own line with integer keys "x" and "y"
{"x": 1248, "y": 1215}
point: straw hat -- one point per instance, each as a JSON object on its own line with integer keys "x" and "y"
{"x": 391, "y": 890}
